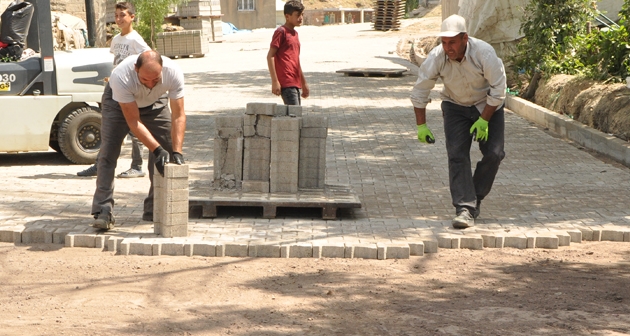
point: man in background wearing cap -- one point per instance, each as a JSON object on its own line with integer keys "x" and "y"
{"x": 472, "y": 106}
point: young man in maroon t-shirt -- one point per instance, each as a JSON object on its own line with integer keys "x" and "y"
{"x": 283, "y": 59}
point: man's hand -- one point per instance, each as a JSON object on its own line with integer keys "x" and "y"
{"x": 306, "y": 92}
{"x": 177, "y": 158}
{"x": 276, "y": 88}
{"x": 161, "y": 158}
{"x": 480, "y": 130}
{"x": 425, "y": 135}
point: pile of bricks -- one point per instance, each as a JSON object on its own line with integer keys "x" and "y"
{"x": 272, "y": 148}
{"x": 199, "y": 8}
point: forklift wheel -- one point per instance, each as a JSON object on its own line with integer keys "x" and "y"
{"x": 80, "y": 135}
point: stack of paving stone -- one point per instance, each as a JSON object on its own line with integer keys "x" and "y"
{"x": 170, "y": 195}
{"x": 280, "y": 150}
{"x": 202, "y": 15}
{"x": 387, "y": 14}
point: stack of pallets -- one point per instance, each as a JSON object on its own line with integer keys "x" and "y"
{"x": 387, "y": 14}
{"x": 202, "y": 15}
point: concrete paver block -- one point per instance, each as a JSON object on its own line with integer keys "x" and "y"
{"x": 255, "y": 186}
{"x": 261, "y": 108}
{"x": 626, "y": 236}
{"x": 381, "y": 251}
{"x": 416, "y": 249}
{"x": 157, "y": 248}
{"x": 519, "y": 242}
{"x": 173, "y": 249}
{"x": 188, "y": 249}
{"x": 547, "y": 242}
{"x": 489, "y": 241}
{"x": 365, "y": 251}
{"x": 430, "y": 246}
{"x": 295, "y": 110}
{"x": 85, "y": 240}
{"x": 348, "y": 251}
{"x": 472, "y": 243}
{"x": 236, "y": 250}
{"x": 301, "y": 250}
{"x": 576, "y": 236}
{"x": 499, "y": 241}
{"x": 124, "y": 246}
{"x": 205, "y": 249}
{"x": 397, "y": 251}
{"x": 587, "y": 234}
{"x": 220, "y": 249}
{"x": 268, "y": 251}
{"x": 113, "y": 243}
{"x": 11, "y": 235}
{"x": 612, "y": 235}
{"x": 68, "y": 240}
{"x": 311, "y": 121}
{"x": 284, "y": 251}
{"x": 141, "y": 247}
{"x": 564, "y": 239}
{"x": 332, "y": 250}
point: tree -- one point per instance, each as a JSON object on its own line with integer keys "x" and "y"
{"x": 151, "y": 15}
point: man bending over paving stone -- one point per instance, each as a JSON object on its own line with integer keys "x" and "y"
{"x": 136, "y": 100}
{"x": 472, "y": 106}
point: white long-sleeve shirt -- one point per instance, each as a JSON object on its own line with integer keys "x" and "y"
{"x": 479, "y": 79}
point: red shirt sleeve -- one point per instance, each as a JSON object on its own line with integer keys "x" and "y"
{"x": 278, "y": 38}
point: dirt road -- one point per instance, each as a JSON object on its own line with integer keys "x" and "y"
{"x": 581, "y": 290}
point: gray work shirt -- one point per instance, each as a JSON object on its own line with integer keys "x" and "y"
{"x": 479, "y": 79}
{"x": 126, "y": 86}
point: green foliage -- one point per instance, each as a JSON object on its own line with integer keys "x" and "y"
{"x": 549, "y": 27}
{"x": 151, "y": 15}
{"x": 410, "y": 5}
{"x": 604, "y": 55}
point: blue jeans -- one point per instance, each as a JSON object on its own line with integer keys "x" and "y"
{"x": 291, "y": 96}
{"x": 466, "y": 187}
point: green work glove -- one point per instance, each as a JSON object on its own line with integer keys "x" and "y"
{"x": 425, "y": 135}
{"x": 480, "y": 130}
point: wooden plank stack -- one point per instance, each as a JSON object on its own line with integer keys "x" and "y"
{"x": 387, "y": 14}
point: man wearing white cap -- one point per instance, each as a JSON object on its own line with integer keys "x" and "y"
{"x": 472, "y": 106}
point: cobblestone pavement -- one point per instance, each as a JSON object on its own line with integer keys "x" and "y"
{"x": 544, "y": 184}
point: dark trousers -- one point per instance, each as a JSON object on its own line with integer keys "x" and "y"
{"x": 466, "y": 187}
{"x": 291, "y": 96}
{"x": 114, "y": 128}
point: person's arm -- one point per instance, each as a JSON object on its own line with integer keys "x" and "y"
{"x": 275, "y": 84}
{"x": 305, "y": 89}
{"x": 132, "y": 116}
{"x": 178, "y": 123}
{"x": 421, "y": 115}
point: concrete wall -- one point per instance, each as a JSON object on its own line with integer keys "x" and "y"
{"x": 264, "y": 16}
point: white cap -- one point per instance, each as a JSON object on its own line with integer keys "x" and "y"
{"x": 453, "y": 26}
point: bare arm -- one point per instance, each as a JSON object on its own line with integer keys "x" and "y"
{"x": 421, "y": 115}
{"x": 132, "y": 116}
{"x": 178, "y": 121}
{"x": 275, "y": 84}
{"x": 487, "y": 112}
{"x": 306, "y": 91}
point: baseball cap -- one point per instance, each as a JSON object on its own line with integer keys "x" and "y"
{"x": 452, "y": 26}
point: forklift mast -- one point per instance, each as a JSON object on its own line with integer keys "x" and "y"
{"x": 40, "y": 39}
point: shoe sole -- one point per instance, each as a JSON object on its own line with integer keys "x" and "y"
{"x": 104, "y": 226}
{"x": 461, "y": 225}
{"x": 131, "y": 176}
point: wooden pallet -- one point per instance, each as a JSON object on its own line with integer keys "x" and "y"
{"x": 373, "y": 72}
{"x": 331, "y": 198}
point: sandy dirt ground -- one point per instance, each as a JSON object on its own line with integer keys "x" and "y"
{"x": 581, "y": 290}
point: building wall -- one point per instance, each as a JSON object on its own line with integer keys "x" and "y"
{"x": 264, "y": 16}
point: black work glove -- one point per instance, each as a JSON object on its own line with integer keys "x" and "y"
{"x": 178, "y": 158}
{"x": 161, "y": 158}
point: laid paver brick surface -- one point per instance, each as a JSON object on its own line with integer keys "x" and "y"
{"x": 544, "y": 183}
